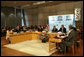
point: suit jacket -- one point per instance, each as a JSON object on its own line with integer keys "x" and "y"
{"x": 64, "y": 30}
{"x": 18, "y": 31}
{"x": 72, "y": 35}
{"x": 54, "y": 30}
{"x": 40, "y": 29}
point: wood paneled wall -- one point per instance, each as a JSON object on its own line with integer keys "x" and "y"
{"x": 8, "y": 17}
{"x": 38, "y": 16}
{"x": 32, "y": 15}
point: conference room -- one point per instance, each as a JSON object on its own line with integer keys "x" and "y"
{"x": 41, "y": 28}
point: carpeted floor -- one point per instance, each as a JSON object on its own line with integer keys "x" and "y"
{"x": 33, "y": 47}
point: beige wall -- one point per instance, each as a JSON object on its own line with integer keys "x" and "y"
{"x": 65, "y": 8}
{"x": 32, "y": 15}
{"x": 38, "y": 16}
{"x": 8, "y": 15}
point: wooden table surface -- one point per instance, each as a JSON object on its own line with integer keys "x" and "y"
{"x": 19, "y": 37}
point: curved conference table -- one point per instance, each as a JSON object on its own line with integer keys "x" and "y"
{"x": 19, "y": 37}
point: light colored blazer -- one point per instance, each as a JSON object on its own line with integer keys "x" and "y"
{"x": 8, "y": 34}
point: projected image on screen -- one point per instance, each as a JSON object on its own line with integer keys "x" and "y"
{"x": 58, "y": 20}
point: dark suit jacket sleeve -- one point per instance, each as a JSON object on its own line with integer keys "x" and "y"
{"x": 52, "y": 30}
{"x": 56, "y": 30}
{"x": 64, "y": 30}
{"x": 60, "y": 29}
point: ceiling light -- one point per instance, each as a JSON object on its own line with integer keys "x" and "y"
{"x": 39, "y": 3}
{"x": 50, "y": 1}
{"x": 26, "y": 5}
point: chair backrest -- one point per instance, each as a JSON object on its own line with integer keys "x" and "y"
{"x": 78, "y": 36}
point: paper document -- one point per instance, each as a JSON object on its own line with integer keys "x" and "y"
{"x": 59, "y": 32}
{"x": 63, "y": 36}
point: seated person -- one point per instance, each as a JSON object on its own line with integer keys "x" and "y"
{"x": 35, "y": 27}
{"x": 35, "y": 30}
{"x": 2, "y": 32}
{"x": 46, "y": 29}
{"x": 39, "y": 29}
{"x": 24, "y": 29}
{"x": 32, "y": 27}
{"x": 62, "y": 29}
{"x": 21, "y": 28}
{"x": 42, "y": 28}
{"x": 69, "y": 40}
{"x": 78, "y": 36}
{"x": 17, "y": 29}
{"x": 54, "y": 29}
{"x": 30, "y": 30}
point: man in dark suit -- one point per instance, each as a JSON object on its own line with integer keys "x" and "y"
{"x": 54, "y": 29}
{"x": 39, "y": 29}
{"x": 17, "y": 29}
{"x": 24, "y": 28}
{"x": 62, "y": 29}
{"x": 69, "y": 39}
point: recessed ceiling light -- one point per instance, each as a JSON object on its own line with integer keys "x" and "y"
{"x": 26, "y": 5}
{"x": 50, "y": 1}
{"x": 39, "y": 3}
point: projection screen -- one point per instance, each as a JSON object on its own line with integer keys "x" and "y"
{"x": 58, "y": 20}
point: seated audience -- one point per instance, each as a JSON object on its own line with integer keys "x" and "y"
{"x": 24, "y": 28}
{"x": 32, "y": 27}
{"x": 3, "y": 31}
{"x": 62, "y": 29}
{"x": 35, "y": 30}
{"x": 54, "y": 29}
{"x": 30, "y": 30}
{"x": 42, "y": 28}
{"x": 6, "y": 27}
{"x": 46, "y": 29}
{"x": 39, "y": 29}
{"x": 36, "y": 27}
{"x": 17, "y": 29}
{"x": 21, "y": 28}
